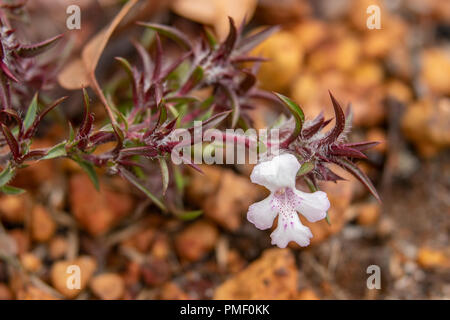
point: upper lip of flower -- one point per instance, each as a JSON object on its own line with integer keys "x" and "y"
{"x": 279, "y": 175}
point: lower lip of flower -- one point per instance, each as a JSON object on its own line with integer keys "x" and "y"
{"x": 285, "y": 202}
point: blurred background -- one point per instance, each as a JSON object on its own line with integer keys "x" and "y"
{"x": 397, "y": 79}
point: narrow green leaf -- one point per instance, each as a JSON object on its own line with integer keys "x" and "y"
{"x": 31, "y": 113}
{"x": 6, "y": 175}
{"x": 212, "y": 41}
{"x": 131, "y": 178}
{"x": 305, "y": 168}
{"x": 11, "y": 190}
{"x": 164, "y": 173}
{"x": 127, "y": 66}
{"x": 235, "y": 106}
{"x": 189, "y": 215}
{"x": 71, "y": 132}
{"x": 86, "y": 100}
{"x": 90, "y": 170}
{"x": 193, "y": 80}
{"x": 180, "y": 181}
{"x": 293, "y": 107}
{"x": 162, "y": 114}
{"x": 298, "y": 114}
{"x": 57, "y": 151}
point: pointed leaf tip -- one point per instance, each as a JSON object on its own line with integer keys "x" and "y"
{"x": 298, "y": 114}
{"x": 339, "y": 126}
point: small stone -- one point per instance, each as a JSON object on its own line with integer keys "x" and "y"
{"x": 171, "y": 291}
{"x": 399, "y": 90}
{"x": 30, "y": 262}
{"x": 201, "y": 186}
{"x": 235, "y": 262}
{"x": 196, "y": 240}
{"x": 367, "y": 75}
{"x": 97, "y": 211}
{"x": 155, "y": 271}
{"x": 430, "y": 258}
{"x": 426, "y": 123}
{"x": 108, "y": 286}
{"x": 380, "y": 43}
{"x": 305, "y": 89}
{"x": 340, "y": 54}
{"x": 273, "y": 276}
{"x": 58, "y": 247}
{"x": 60, "y": 277}
{"x": 385, "y": 227}
{"x": 223, "y": 195}
{"x": 436, "y": 70}
{"x": 131, "y": 274}
{"x": 21, "y": 239}
{"x": 310, "y": 33}
{"x": 161, "y": 248}
{"x": 368, "y": 213}
{"x": 141, "y": 241}
{"x": 42, "y": 225}
{"x": 13, "y": 208}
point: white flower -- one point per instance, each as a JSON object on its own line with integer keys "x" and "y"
{"x": 278, "y": 175}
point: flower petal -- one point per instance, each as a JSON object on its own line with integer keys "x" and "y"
{"x": 280, "y": 172}
{"x": 313, "y": 206}
{"x": 292, "y": 230}
{"x": 261, "y": 213}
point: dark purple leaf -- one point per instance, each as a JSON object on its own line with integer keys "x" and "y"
{"x": 147, "y": 151}
{"x": 34, "y": 154}
{"x": 247, "y": 83}
{"x": 32, "y": 50}
{"x": 29, "y": 133}
{"x": 328, "y": 175}
{"x": 247, "y": 44}
{"x": 175, "y": 64}
{"x": 145, "y": 57}
{"x": 339, "y": 125}
{"x": 228, "y": 45}
{"x": 340, "y": 150}
{"x": 8, "y": 72}
{"x": 234, "y": 105}
{"x": 158, "y": 59}
{"x": 11, "y": 141}
{"x": 311, "y": 128}
{"x": 361, "y": 176}
{"x": 10, "y": 113}
{"x": 361, "y": 146}
{"x": 101, "y": 137}
{"x": 194, "y": 79}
